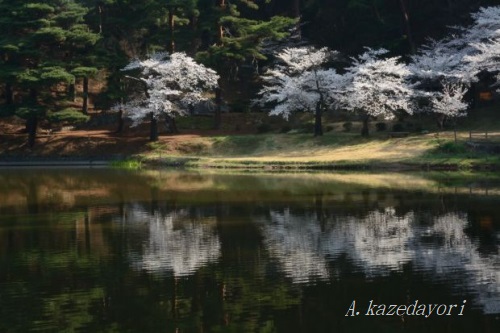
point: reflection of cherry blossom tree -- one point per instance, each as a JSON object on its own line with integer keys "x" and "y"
{"x": 381, "y": 243}
{"x": 175, "y": 243}
{"x": 295, "y": 246}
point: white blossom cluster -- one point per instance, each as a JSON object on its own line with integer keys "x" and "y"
{"x": 439, "y": 73}
{"x": 172, "y": 84}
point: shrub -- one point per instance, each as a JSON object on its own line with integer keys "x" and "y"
{"x": 329, "y": 128}
{"x": 381, "y": 127}
{"x": 347, "y": 126}
{"x": 69, "y": 115}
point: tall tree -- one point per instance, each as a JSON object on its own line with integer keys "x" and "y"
{"x": 39, "y": 42}
{"x": 378, "y": 87}
{"x": 301, "y": 83}
{"x": 169, "y": 85}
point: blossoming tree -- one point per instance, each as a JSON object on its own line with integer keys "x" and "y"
{"x": 170, "y": 86}
{"x": 300, "y": 83}
{"x": 377, "y": 87}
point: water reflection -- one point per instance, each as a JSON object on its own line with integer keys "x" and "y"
{"x": 112, "y": 251}
{"x": 173, "y": 242}
{"x": 382, "y": 242}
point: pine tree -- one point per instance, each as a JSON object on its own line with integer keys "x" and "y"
{"x": 39, "y": 44}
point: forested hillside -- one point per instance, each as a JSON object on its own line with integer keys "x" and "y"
{"x": 53, "y": 51}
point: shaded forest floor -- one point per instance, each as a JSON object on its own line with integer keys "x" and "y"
{"x": 240, "y": 145}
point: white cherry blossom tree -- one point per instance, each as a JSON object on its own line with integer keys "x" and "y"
{"x": 170, "y": 86}
{"x": 300, "y": 83}
{"x": 449, "y": 103}
{"x": 377, "y": 87}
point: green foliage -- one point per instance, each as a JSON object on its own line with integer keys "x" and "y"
{"x": 28, "y": 111}
{"x": 127, "y": 164}
{"x": 56, "y": 74}
{"x": 69, "y": 115}
{"x": 84, "y": 71}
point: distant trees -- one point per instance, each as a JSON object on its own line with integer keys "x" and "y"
{"x": 168, "y": 85}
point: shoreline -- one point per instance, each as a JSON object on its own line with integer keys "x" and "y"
{"x": 201, "y": 163}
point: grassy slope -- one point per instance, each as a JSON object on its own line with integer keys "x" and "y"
{"x": 330, "y": 151}
{"x": 340, "y": 149}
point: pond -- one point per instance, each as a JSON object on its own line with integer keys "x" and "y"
{"x": 100, "y": 250}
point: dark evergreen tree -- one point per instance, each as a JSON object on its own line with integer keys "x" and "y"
{"x": 39, "y": 44}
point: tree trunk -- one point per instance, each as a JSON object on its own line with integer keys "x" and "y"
{"x": 222, "y": 5}
{"x": 33, "y": 96}
{"x": 171, "y": 26}
{"x": 71, "y": 92}
{"x": 365, "y": 131}
{"x": 153, "y": 128}
{"x": 120, "y": 121}
{"x": 100, "y": 10}
{"x": 9, "y": 94}
{"x": 409, "y": 35}
{"x": 296, "y": 14}
{"x": 441, "y": 119}
{"x": 171, "y": 124}
{"x": 31, "y": 126}
{"x": 318, "y": 126}
{"x": 218, "y": 111}
{"x": 85, "y": 107}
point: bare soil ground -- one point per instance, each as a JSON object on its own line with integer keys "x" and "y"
{"x": 102, "y": 140}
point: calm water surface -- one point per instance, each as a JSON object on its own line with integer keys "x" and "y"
{"x": 115, "y": 251}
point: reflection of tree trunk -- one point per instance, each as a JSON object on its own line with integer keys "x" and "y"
{"x": 318, "y": 126}
{"x": 154, "y": 200}
{"x": 406, "y": 16}
{"x": 85, "y": 107}
{"x": 218, "y": 105}
{"x": 153, "y": 127}
{"x": 174, "y": 300}
{"x": 318, "y": 199}
{"x": 32, "y": 198}
{"x": 87, "y": 231}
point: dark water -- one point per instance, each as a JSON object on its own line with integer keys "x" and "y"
{"x": 116, "y": 251}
